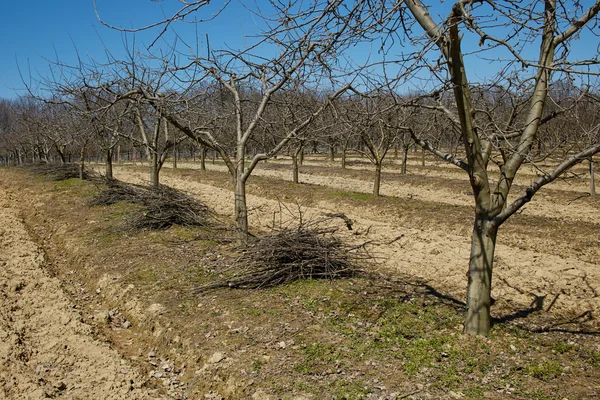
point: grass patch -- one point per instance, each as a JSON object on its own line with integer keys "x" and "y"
{"x": 354, "y": 195}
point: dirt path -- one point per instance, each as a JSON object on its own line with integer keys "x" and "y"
{"x": 543, "y": 204}
{"x": 522, "y": 275}
{"x": 45, "y": 349}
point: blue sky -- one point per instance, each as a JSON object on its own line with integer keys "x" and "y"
{"x": 36, "y": 30}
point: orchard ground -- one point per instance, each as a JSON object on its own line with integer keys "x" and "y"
{"x": 353, "y": 338}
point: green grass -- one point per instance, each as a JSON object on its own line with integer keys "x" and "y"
{"x": 545, "y": 370}
{"x": 354, "y": 195}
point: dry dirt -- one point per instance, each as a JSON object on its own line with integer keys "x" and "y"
{"x": 46, "y": 350}
{"x": 531, "y": 269}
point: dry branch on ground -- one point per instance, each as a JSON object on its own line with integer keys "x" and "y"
{"x": 161, "y": 208}
{"x": 60, "y": 172}
{"x": 310, "y": 251}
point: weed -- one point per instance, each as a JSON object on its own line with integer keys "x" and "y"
{"x": 544, "y": 371}
{"x": 562, "y": 347}
{"x": 257, "y": 364}
{"x": 475, "y": 392}
{"x": 353, "y": 195}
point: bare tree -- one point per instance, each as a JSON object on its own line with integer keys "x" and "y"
{"x": 303, "y": 39}
{"x": 554, "y": 25}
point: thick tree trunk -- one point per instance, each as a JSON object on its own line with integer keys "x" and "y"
{"x": 377, "y": 181}
{"x": 203, "y": 159}
{"x": 241, "y": 211}
{"x": 592, "y": 178}
{"x": 344, "y": 157}
{"x": 109, "y": 164}
{"x": 479, "y": 289}
{"x": 331, "y": 152}
{"x": 404, "y": 159}
{"x": 154, "y": 170}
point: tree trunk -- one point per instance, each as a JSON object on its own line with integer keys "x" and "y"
{"x": 133, "y": 155}
{"x": 203, "y": 158}
{"x": 81, "y": 162}
{"x": 295, "y": 173}
{"x": 175, "y": 155}
{"x": 344, "y": 157}
{"x": 479, "y": 289}
{"x": 119, "y": 154}
{"x": 154, "y": 170}
{"x": 377, "y": 182}
{"x": 240, "y": 211}
{"x": 109, "y": 164}
{"x": 592, "y": 178}
{"x": 301, "y": 156}
{"x": 404, "y": 159}
{"x": 331, "y": 152}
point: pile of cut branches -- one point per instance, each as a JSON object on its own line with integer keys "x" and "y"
{"x": 60, "y": 172}
{"x": 160, "y": 208}
{"x": 285, "y": 255}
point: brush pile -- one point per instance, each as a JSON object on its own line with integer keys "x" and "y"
{"x": 286, "y": 255}
{"x": 160, "y": 208}
{"x": 60, "y": 172}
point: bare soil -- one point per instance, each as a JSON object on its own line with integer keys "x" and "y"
{"x": 547, "y": 255}
{"x": 46, "y": 350}
{"x": 359, "y": 338}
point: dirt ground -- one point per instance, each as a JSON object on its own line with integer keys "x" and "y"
{"x": 353, "y": 339}
{"x": 46, "y": 351}
{"x": 547, "y": 260}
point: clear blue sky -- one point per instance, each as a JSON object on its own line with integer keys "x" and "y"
{"x": 33, "y": 30}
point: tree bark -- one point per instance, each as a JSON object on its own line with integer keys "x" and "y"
{"x": 331, "y": 152}
{"x": 175, "y": 156}
{"x": 404, "y": 159}
{"x": 344, "y": 157}
{"x": 377, "y": 181}
{"x": 154, "y": 170}
{"x": 81, "y": 162}
{"x": 295, "y": 173}
{"x": 592, "y": 178}
{"x": 203, "y": 158}
{"x": 240, "y": 211}
{"x": 479, "y": 288}
{"x": 109, "y": 164}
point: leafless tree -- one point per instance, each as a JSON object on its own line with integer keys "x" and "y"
{"x": 531, "y": 48}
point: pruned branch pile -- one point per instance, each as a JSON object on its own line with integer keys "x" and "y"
{"x": 60, "y": 172}
{"x": 287, "y": 255}
{"x": 161, "y": 208}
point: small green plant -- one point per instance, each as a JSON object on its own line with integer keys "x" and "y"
{"x": 257, "y": 364}
{"x": 354, "y": 195}
{"x": 544, "y": 371}
{"x": 562, "y": 347}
